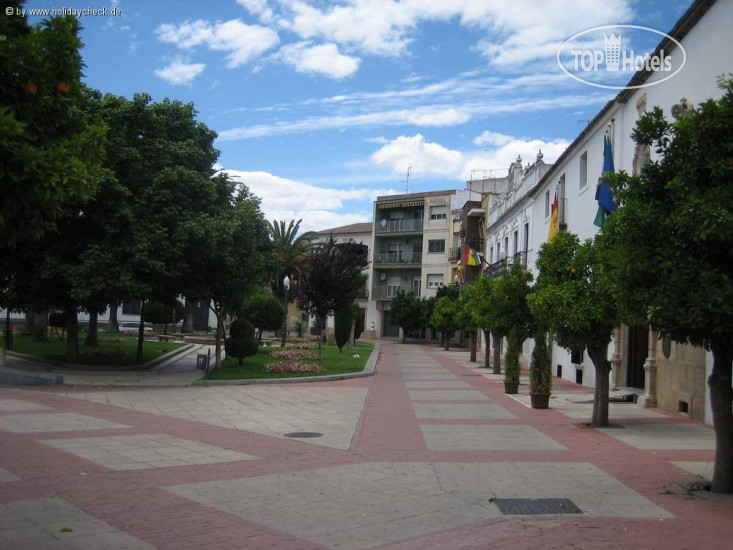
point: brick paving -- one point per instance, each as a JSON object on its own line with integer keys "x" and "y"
{"x": 414, "y": 457}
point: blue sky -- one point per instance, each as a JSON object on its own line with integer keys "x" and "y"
{"x": 320, "y": 106}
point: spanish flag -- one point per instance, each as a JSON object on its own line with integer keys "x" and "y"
{"x": 470, "y": 256}
{"x": 554, "y": 220}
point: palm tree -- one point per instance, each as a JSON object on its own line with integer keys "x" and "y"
{"x": 291, "y": 250}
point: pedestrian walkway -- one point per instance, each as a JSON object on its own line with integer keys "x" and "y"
{"x": 429, "y": 452}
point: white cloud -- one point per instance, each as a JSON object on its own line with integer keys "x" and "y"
{"x": 492, "y": 138}
{"x": 243, "y": 42}
{"x": 324, "y": 59}
{"x": 424, "y": 157}
{"x": 319, "y": 207}
{"x": 503, "y": 154}
{"x": 422, "y": 116}
{"x": 179, "y": 73}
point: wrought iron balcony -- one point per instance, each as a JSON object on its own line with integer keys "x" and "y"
{"x": 387, "y": 292}
{"x": 398, "y": 258}
{"x": 398, "y": 226}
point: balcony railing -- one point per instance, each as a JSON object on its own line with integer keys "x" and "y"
{"x": 387, "y": 292}
{"x": 398, "y": 258}
{"x": 454, "y": 254}
{"x": 495, "y": 270}
{"x": 398, "y": 226}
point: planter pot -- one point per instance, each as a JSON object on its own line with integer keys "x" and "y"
{"x": 511, "y": 386}
{"x": 540, "y": 400}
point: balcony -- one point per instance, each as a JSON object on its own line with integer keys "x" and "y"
{"x": 387, "y": 292}
{"x": 399, "y": 226}
{"x": 398, "y": 258}
{"x": 454, "y": 254}
{"x": 494, "y": 271}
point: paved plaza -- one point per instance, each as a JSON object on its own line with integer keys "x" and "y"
{"x": 427, "y": 453}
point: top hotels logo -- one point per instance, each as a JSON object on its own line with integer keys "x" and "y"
{"x": 605, "y": 56}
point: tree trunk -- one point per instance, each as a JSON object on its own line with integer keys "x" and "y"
{"x": 404, "y": 336}
{"x": 600, "y": 399}
{"x": 496, "y": 342}
{"x": 8, "y": 340}
{"x": 40, "y": 325}
{"x": 30, "y": 316}
{"x": 187, "y": 317}
{"x": 487, "y": 349}
{"x": 140, "y": 334}
{"x": 474, "y": 338}
{"x": 72, "y": 333}
{"x": 92, "y": 339}
{"x": 113, "y": 325}
{"x": 219, "y": 330}
{"x": 446, "y": 339}
{"x": 721, "y": 396}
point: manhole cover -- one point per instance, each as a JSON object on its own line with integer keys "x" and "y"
{"x": 536, "y": 506}
{"x": 304, "y": 434}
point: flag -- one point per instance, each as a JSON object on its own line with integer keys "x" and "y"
{"x": 604, "y": 193}
{"x": 470, "y": 256}
{"x": 554, "y": 219}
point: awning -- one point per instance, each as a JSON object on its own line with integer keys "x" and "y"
{"x": 411, "y": 204}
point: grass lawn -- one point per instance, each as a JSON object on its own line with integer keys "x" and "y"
{"x": 333, "y": 363}
{"x": 115, "y": 349}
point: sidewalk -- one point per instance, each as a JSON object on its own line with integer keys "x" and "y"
{"x": 428, "y": 453}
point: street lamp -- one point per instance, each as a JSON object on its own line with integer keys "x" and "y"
{"x": 286, "y": 287}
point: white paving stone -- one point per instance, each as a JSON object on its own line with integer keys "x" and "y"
{"x": 702, "y": 469}
{"x": 272, "y": 410}
{"x": 13, "y": 405}
{"x": 432, "y": 384}
{"x": 6, "y": 476}
{"x": 140, "y": 452}
{"x": 55, "y": 422}
{"x": 447, "y": 395}
{"x": 361, "y": 505}
{"x": 664, "y": 436}
{"x": 462, "y": 411}
{"x": 463, "y": 437}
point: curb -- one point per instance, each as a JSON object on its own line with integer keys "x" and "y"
{"x": 166, "y": 357}
{"x": 13, "y": 377}
{"x": 369, "y": 370}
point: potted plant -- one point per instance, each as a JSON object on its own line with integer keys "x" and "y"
{"x": 511, "y": 362}
{"x": 540, "y": 371}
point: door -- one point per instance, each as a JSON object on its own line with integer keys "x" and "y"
{"x": 636, "y": 354}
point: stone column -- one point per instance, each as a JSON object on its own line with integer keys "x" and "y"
{"x": 616, "y": 357}
{"x": 649, "y": 399}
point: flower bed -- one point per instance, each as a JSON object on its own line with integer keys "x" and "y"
{"x": 292, "y": 367}
{"x": 295, "y": 354}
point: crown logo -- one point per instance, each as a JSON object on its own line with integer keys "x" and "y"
{"x": 612, "y": 44}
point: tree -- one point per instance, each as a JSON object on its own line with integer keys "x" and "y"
{"x": 483, "y": 316}
{"x": 342, "y": 323}
{"x": 241, "y": 342}
{"x": 264, "y": 311}
{"x": 671, "y": 246}
{"x": 466, "y": 319}
{"x": 358, "y": 321}
{"x": 574, "y": 298}
{"x": 164, "y": 313}
{"x": 540, "y": 370}
{"x": 445, "y": 318}
{"x": 49, "y": 148}
{"x": 406, "y": 312}
{"x": 292, "y": 250}
{"x": 330, "y": 279}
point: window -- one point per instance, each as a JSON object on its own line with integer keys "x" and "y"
{"x": 491, "y": 255}
{"x": 435, "y": 281}
{"x": 438, "y": 213}
{"x": 516, "y": 242}
{"x": 437, "y": 245}
{"x": 583, "y": 174}
{"x": 526, "y": 237}
{"x": 506, "y": 245}
{"x": 547, "y": 203}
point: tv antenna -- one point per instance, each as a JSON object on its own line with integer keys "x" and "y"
{"x": 406, "y": 181}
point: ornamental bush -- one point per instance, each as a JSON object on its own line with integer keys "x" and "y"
{"x": 241, "y": 342}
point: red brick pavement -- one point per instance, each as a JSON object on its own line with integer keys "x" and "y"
{"x": 137, "y": 502}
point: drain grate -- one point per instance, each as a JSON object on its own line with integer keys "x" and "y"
{"x": 536, "y": 506}
{"x": 303, "y": 434}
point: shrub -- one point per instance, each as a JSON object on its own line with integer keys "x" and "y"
{"x": 293, "y": 367}
{"x": 511, "y": 361}
{"x": 540, "y": 372}
{"x": 264, "y": 311}
{"x": 358, "y": 322}
{"x": 241, "y": 342}
{"x": 342, "y": 326}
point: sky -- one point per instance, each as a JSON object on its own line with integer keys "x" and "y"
{"x": 321, "y": 106}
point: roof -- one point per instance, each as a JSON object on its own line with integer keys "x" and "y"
{"x": 416, "y": 195}
{"x": 685, "y": 23}
{"x": 345, "y": 229}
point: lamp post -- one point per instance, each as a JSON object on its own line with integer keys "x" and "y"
{"x": 286, "y": 287}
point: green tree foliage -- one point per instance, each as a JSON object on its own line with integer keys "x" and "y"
{"x": 406, "y": 312}
{"x": 540, "y": 369}
{"x": 483, "y": 314}
{"x": 445, "y": 318}
{"x": 672, "y": 246}
{"x": 330, "y": 278}
{"x": 164, "y": 313}
{"x": 49, "y": 148}
{"x": 508, "y": 302}
{"x": 358, "y": 321}
{"x": 342, "y": 323}
{"x": 264, "y": 311}
{"x": 511, "y": 360}
{"x": 292, "y": 250}
{"x": 574, "y": 298}
{"x": 466, "y": 320}
{"x": 241, "y": 342}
